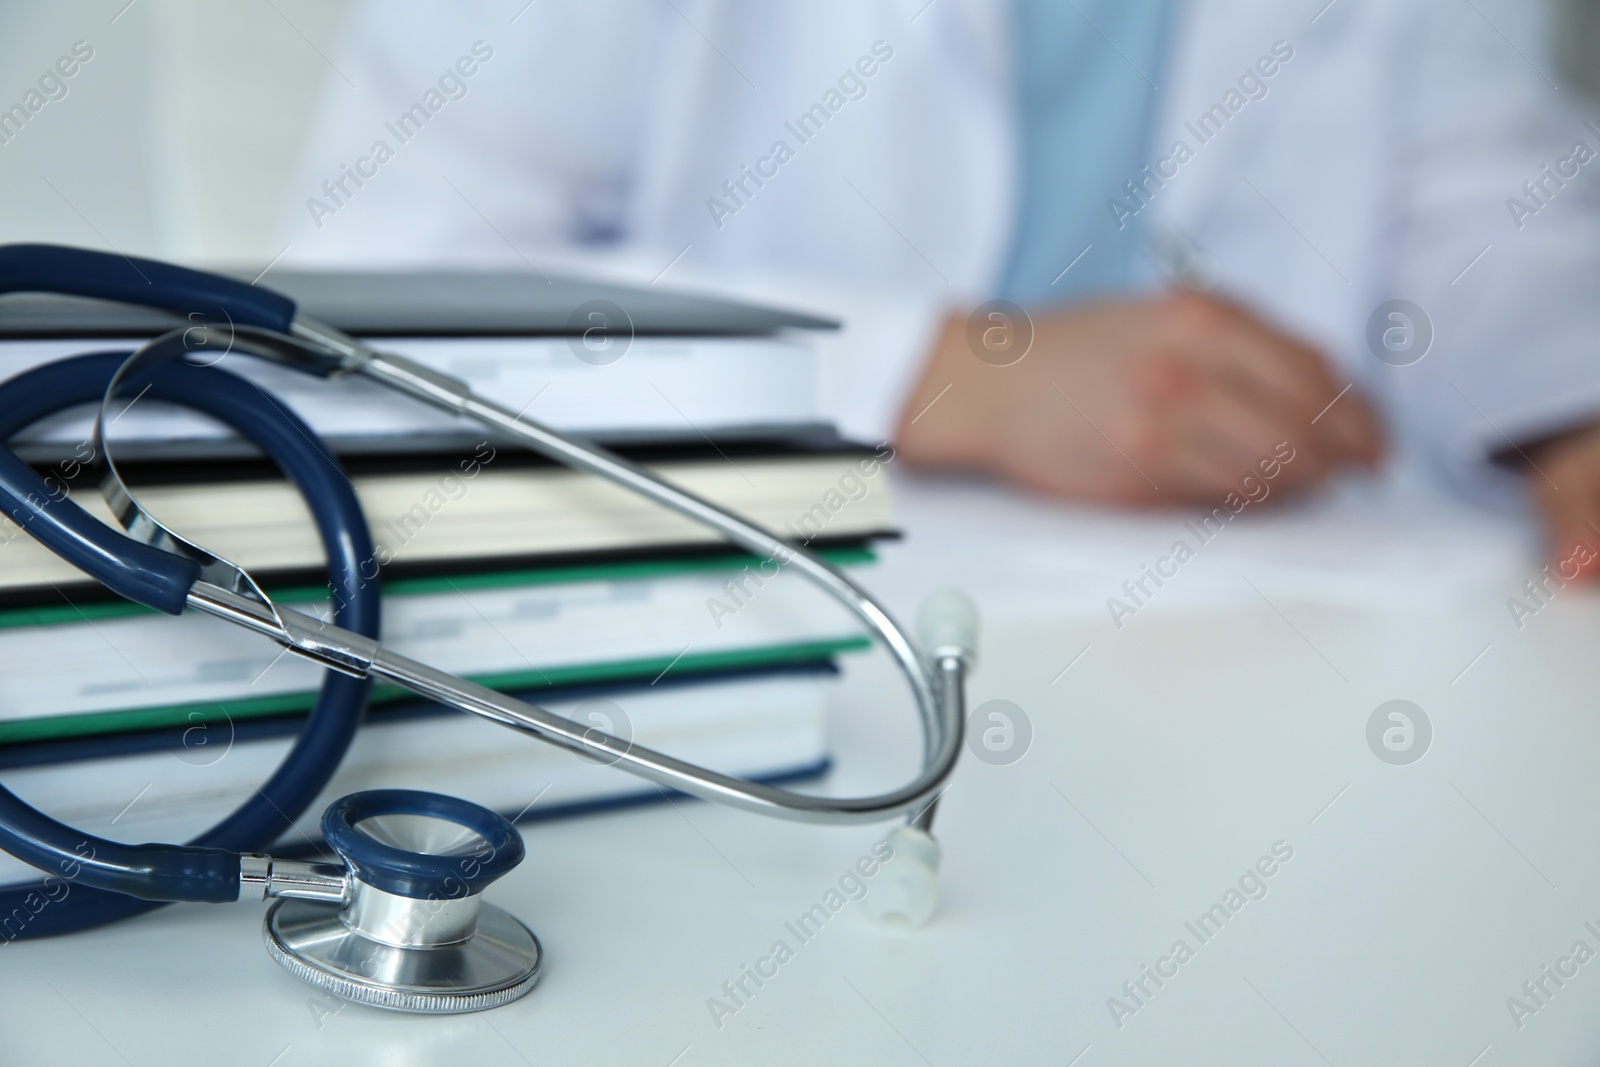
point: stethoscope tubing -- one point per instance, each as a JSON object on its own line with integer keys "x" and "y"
{"x": 92, "y": 881}
{"x": 156, "y": 567}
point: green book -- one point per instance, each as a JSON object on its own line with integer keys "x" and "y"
{"x": 513, "y": 630}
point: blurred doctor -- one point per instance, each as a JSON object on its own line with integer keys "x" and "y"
{"x": 1231, "y": 223}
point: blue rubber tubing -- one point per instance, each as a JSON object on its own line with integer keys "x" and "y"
{"x": 92, "y": 881}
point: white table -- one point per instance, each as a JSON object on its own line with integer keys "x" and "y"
{"x": 1227, "y": 716}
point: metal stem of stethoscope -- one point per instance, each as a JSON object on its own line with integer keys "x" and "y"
{"x": 942, "y": 742}
{"x": 936, "y": 688}
{"x": 342, "y": 650}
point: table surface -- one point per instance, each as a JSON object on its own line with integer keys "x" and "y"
{"x": 1223, "y": 721}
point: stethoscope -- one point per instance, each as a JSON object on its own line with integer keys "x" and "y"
{"x": 400, "y": 922}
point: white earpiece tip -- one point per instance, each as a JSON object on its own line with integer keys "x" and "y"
{"x": 906, "y": 891}
{"x": 948, "y": 620}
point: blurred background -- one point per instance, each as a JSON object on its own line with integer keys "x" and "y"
{"x": 181, "y": 136}
{"x": 178, "y": 137}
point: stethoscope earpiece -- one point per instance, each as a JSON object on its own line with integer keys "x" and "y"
{"x": 403, "y": 925}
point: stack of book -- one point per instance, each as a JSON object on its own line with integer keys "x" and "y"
{"x": 495, "y": 564}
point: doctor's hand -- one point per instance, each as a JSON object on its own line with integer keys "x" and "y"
{"x": 1566, "y": 487}
{"x": 1169, "y": 399}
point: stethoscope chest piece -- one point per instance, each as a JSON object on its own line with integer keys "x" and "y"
{"x": 410, "y": 931}
{"x": 496, "y": 966}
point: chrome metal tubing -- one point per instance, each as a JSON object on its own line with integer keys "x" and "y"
{"x": 952, "y": 667}
{"x": 935, "y": 687}
{"x": 942, "y": 720}
{"x": 657, "y": 766}
{"x": 451, "y": 395}
{"x": 332, "y": 646}
{"x": 579, "y": 737}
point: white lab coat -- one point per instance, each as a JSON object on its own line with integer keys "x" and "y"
{"x": 1378, "y": 166}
